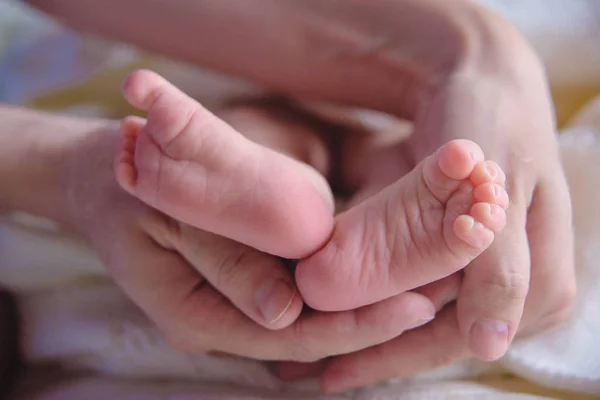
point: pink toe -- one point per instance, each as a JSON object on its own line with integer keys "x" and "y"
{"x": 458, "y": 157}
{"x": 498, "y": 174}
{"x": 124, "y": 168}
{"x": 140, "y": 87}
{"x": 473, "y": 232}
{"x": 491, "y": 193}
{"x": 131, "y": 125}
{"x": 491, "y": 215}
{"x": 125, "y": 175}
{"x": 487, "y": 171}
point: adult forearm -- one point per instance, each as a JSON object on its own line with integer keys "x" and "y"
{"x": 33, "y": 149}
{"x": 384, "y": 54}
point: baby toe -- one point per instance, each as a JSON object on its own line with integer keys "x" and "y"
{"x": 491, "y": 193}
{"x": 457, "y": 158}
{"x": 473, "y": 232}
{"x": 487, "y": 171}
{"x": 492, "y": 216}
{"x": 124, "y": 167}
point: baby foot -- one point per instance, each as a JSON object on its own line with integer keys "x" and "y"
{"x": 191, "y": 165}
{"x": 428, "y": 225}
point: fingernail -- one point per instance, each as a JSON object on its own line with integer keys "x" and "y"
{"x": 421, "y": 322}
{"x": 489, "y": 339}
{"x": 273, "y": 299}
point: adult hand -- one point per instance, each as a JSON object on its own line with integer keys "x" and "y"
{"x": 529, "y": 266}
{"x": 451, "y": 67}
{"x": 525, "y": 282}
{"x": 164, "y": 266}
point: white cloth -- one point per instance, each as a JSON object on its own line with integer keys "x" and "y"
{"x": 72, "y": 313}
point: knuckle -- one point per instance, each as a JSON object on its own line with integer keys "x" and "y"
{"x": 506, "y": 285}
{"x": 383, "y": 321}
{"x": 301, "y": 349}
{"x": 231, "y": 264}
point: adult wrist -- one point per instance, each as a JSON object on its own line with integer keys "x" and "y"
{"x": 35, "y": 149}
{"x": 86, "y": 172}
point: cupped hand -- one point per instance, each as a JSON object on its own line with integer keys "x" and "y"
{"x": 164, "y": 267}
{"x": 525, "y": 282}
{"x": 452, "y": 68}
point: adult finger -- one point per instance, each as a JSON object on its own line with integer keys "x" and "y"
{"x": 494, "y": 288}
{"x": 256, "y": 283}
{"x": 195, "y": 317}
{"x": 238, "y": 189}
{"x": 431, "y": 346}
{"x": 318, "y": 335}
{"x": 549, "y": 228}
{"x": 441, "y": 293}
{"x": 205, "y": 320}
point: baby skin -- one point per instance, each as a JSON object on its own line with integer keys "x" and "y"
{"x": 428, "y": 225}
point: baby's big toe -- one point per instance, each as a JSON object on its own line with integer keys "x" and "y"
{"x": 141, "y": 88}
{"x": 444, "y": 171}
{"x": 457, "y": 158}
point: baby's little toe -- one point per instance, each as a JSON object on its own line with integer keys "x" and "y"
{"x": 473, "y": 232}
